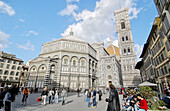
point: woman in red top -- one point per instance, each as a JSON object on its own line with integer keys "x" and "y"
{"x": 142, "y": 106}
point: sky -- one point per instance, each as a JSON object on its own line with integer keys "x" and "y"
{"x": 26, "y": 24}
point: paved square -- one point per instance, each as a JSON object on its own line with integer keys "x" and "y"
{"x": 73, "y": 103}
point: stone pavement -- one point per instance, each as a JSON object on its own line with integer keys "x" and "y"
{"x": 73, "y": 103}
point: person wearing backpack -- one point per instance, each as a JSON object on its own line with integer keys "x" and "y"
{"x": 25, "y": 95}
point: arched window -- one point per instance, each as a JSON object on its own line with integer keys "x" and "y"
{"x": 17, "y": 73}
{"x": 128, "y": 50}
{"x": 12, "y": 73}
{"x": 6, "y": 73}
{"x": 123, "y": 39}
{"x": 65, "y": 61}
{"x": 13, "y": 67}
{"x": 126, "y": 38}
{"x": 122, "y": 25}
{"x": 82, "y": 63}
{"x": 124, "y": 51}
{"x": 74, "y": 62}
{"x": 18, "y": 68}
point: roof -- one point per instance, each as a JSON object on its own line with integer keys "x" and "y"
{"x": 72, "y": 38}
{"x": 67, "y": 38}
{"x": 139, "y": 65}
{"x": 113, "y": 50}
{"x": 154, "y": 26}
{"x": 144, "y": 49}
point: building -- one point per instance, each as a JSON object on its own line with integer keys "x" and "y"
{"x": 155, "y": 65}
{"x": 147, "y": 65}
{"x": 158, "y": 45}
{"x": 109, "y": 68}
{"x": 10, "y": 68}
{"x": 128, "y": 60}
{"x": 73, "y": 63}
{"x": 66, "y": 62}
{"x": 163, "y": 8}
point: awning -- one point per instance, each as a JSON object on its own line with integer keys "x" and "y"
{"x": 147, "y": 84}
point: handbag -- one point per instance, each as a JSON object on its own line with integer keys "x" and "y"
{"x": 39, "y": 99}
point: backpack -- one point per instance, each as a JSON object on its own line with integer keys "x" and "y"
{"x": 9, "y": 97}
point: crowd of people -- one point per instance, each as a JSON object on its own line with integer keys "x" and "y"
{"x": 131, "y": 102}
{"x": 8, "y": 94}
{"x": 53, "y": 96}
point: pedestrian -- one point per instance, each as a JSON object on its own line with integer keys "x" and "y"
{"x": 78, "y": 92}
{"x": 85, "y": 94}
{"x": 142, "y": 106}
{"x": 113, "y": 100}
{"x": 51, "y": 92}
{"x": 7, "y": 100}
{"x": 88, "y": 97}
{"x": 94, "y": 98}
{"x": 44, "y": 95}
{"x": 100, "y": 95}
{"x": 31, "y": 90}
{"x": 56, "y": 96}
{"x": 2, "y": 96}
{"x": 13, "y": 93}
{"x": 25, "y": 95}
{"x": 63, "y": 95}
{"x": 126, "y": 104}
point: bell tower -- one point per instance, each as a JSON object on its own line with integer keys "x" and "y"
{"x": 130, "y": 75}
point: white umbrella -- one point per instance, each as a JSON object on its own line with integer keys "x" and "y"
{"x": 147, "y": 84}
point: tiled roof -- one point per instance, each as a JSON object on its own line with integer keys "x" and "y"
{"x": 113, "y": 50}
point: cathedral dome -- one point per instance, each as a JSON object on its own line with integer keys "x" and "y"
{"x": 113, "y": 50}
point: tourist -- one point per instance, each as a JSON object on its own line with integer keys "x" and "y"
{"x": 51, "y": 92}
{"x": 64, "y": 95}
{"x": 126, "y": 104}
{"x": 113, "y": 100}
{"x": 2, "y": 96}
{"x": 85, "y": 94}
{"x": 44, "y": 95}
{"x": 94, "y": 98}
{"x": 142, "y": 106}
{"x": 100, "y": 95}
{"x": 56, "y": 96}
{"x": 25, "y": 95}
{"x": 88, "y": 97}
{"x": 133, "y": 102}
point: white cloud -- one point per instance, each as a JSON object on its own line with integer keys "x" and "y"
{"x": 69, "y": 1}
{"x": 4, "y": 8}
{"x": 31, "y": 32}
{"x": 4, "y": 40}
{"x": 27, "y": 46}
{"x": 98, "y": 25}
{"x": 21, "y": 20}
{"x": 138, "y": 49}
{"x": 68, "y": 10}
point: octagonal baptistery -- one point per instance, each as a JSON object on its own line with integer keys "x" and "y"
{"x": 66, "y": 62}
